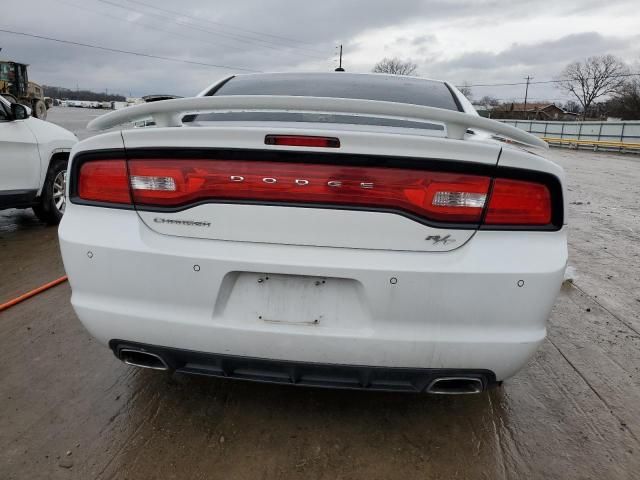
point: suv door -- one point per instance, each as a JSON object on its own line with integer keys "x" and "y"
{"x": 19, "y": 160}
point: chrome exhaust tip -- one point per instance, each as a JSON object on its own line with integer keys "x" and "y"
{"x": 456, "y": 386}
{"x": 139, "y": 358}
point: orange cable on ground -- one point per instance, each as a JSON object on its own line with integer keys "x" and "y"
{"x": 31, "y": 293}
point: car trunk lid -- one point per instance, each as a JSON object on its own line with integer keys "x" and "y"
{"x": 362, "y": 189}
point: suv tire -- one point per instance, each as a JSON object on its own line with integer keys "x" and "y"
{"x": 52, "y": 202}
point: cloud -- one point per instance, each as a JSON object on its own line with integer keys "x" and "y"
{"x": 421, "y": 40}
{"x": 485, "y": 40}
{"x": 565, "y": 49}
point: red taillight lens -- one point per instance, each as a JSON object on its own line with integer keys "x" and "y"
{"x": 438, "y": 196}
{"x": 104, "y": 181}
{"x": 302, "y": 141}
{"x": 516, "y": 202}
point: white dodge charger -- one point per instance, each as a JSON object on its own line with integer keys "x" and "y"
{"x": 334, "y": 230}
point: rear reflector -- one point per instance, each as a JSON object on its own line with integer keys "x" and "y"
{"x": 515, "y": 202}
{"x": 302, "y": 141}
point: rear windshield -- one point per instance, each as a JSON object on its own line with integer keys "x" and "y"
{"x": 343, "y": 85}
{"x": 397, "y": 89}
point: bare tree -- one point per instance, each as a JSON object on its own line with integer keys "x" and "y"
{"x": 625, "y": 103}
{"x": 465, "y": 89}
{"x": 571, "y": 106}
{"x": 489, "y": 100}
{"x": 594, "y": 78}
{"x": 395, "y": 66}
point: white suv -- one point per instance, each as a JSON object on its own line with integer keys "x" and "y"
{"x": 33, "y": 162}
{"x": 337, "y": 230}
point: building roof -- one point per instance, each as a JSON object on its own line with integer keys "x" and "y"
{"x": 531, "y": 107}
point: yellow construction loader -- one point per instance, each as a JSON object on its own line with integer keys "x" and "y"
{"x": 16, "y": 87}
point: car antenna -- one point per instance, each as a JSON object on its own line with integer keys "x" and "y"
{"x": 340, "y": 69}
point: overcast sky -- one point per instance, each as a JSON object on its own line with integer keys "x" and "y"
{"x": 475, "y": 41}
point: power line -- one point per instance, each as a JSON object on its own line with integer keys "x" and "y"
{"x": 236, "y": 37}
{"x": 225, "y": 25}
{"x": 539, "y": 82}
{"x": 153, "y": 27}
{"x": 128, "y": 52}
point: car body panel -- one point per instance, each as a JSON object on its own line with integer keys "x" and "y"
{"x": 20, "y": 159}
{"x": 327, "y": 286}
{"x": 305, "y": 226}
{"x": 463, "y": 308}
{"x": 27, "y": 148}
{"x": 52, "y": 140}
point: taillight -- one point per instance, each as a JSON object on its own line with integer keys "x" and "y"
{"x": 104, "y": 181}
{"x": 302, "y": 141}
{"x": 437, "y": 196}
{"x": 468, "y": 200}
{"x": 516, "y": 202}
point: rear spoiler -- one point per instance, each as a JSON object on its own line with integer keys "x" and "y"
{"x": 169, "y": 113}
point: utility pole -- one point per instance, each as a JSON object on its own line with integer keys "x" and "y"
{"x": 340, "y": 69}
{"x": 526, "y": 95}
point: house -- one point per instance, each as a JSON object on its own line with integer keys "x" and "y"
{"x": 532, "y": 111}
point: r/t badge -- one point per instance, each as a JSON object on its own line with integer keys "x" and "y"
{"x": 439, "y": 239}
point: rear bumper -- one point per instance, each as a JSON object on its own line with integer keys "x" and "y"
{"x": 353, "y": 377}
{"x": 481, "y": 307}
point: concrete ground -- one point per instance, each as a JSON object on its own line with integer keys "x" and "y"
{"x": 69, "y": 409}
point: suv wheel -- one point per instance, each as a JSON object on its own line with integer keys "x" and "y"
{"x": 52, "y": 202}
